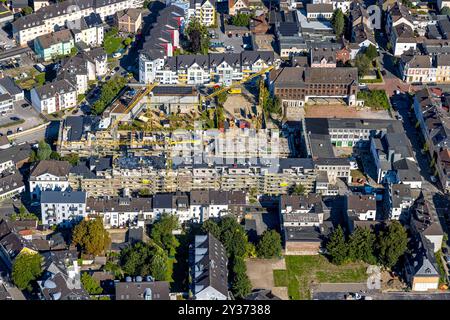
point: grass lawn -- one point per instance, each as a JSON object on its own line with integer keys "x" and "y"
{"x": 302, "y": 271}
{"x": 112, "y": 44}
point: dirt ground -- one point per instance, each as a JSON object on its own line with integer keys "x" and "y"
{"x": 238, "y": 106}
{"x": 117, "y": 235}
{"x": 343, "y": 111}
{"x": 389, "y": 283}
{"x": 260, "y": 272}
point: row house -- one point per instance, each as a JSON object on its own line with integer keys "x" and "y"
{"x": 400, "y": 29}
{"x": 423, "y": 69}
{"x": 54, "y": 96}
{"x": 203, "y": 69}
{"x": 433, "y": 119}
{"x": 49, "y": 18}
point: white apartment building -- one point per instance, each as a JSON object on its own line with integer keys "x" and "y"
{"x": 89, "y": 30}
{"x": 399, "y": 200}
{"x": 204, "y": 10}
{"x": 62, "y": 207}
{"x": 51, "y": 17}
{"x": 202, "y": 69}
{"x": 49, "y": 175}
{"x": 54, "y": 96}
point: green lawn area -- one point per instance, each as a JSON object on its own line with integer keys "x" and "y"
{"x": 112, "y": 44}
{"x": 302, "y": 271}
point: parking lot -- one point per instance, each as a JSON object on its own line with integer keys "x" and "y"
{"x": 29, "y": 114}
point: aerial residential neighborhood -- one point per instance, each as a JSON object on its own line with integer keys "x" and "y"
{"x": 233, "y": 150}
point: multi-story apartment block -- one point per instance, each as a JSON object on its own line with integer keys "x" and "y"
{"x": 52, "y": 45}
{"x": 54, "y": 96}
{"x": 84, "y": 67}
{"x": 398, "y": 200}
{"x": 391, "y": 151}
{"x": 62, "y": 207}
{"x": 120, "y": 211}
{"x": 89, "y": 30}
{"x": 203, "y": 69}
{"x": 49, "y": 18}
{"x": 204, "y": 10}
{"x": 129, "y": 20}
{"x": 49, "y": 175}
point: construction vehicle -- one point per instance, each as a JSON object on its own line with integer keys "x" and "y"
{"x": 235, "y": 91}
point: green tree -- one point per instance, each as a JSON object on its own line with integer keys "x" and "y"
{"x": 27, "y": 267}
{"x": 162, "y": 233}
{"x": 336, "y": 246}
{"x": 241, "y": 20}
{"x": 362, "y": 62}
{"x": 72, "y": 158}
{"x": 40, "y": 79}
{"x": 445, "y": 11}
{"x": 55, "y": 156}
{"x": 91, "y": 237}
{"x": 127, "y": 41}
{"x": 145, "y": 259}
{"x": 371, "y": 52}
{"x": 361, "y": 246}
{"x": 269, "y": 246}
{"x": 241, "y": 286}
{"x": 233, "y": 237}
{"x": 338, "y": 22}
{"x": 91, "y": 285}
{"x": 298, "y": 189}
{"x": 44, "y": 150}
{"x": 27, "y": 10}
{"x": 392, "y": 244}
{"x": 198, "y": 36}
{"x": 212, "y": 227}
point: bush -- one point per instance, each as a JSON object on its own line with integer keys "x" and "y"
{"x": 375, "y": 99}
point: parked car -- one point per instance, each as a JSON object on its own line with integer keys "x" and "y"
{"x": 117, "y": 55}
{"x": 19, "y": 129}
{"x": 25, "y": 105}
{"x": 9, "y": 133}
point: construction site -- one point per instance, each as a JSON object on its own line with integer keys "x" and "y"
{"x": 143, "y": 118}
